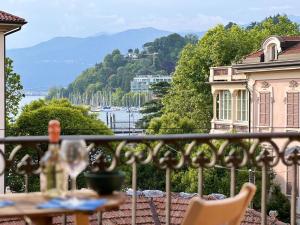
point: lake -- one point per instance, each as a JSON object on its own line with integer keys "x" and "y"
{"x": 122, "y": 117}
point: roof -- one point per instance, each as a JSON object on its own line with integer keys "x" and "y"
{"x": 255, "y": 54}
{"x": 290, "y": 38}
{"x": 150, "y": 211}
{"x": 11, "y": 19}
{"x": 289, "y": 45}
{"x": 292, "y": 50}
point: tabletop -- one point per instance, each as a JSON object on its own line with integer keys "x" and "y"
{"x": 26, "y": 204}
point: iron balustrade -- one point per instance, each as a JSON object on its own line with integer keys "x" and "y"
{"x": 235, "y": 151}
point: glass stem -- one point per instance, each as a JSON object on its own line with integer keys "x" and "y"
{"x": 73, "y": 185}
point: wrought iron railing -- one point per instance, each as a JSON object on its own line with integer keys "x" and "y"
{"x": 235, "y": 151}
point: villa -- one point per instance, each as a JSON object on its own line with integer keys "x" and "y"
{"x": 260, "y": 94}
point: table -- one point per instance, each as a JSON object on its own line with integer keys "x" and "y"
{"x": 26, "y": 206}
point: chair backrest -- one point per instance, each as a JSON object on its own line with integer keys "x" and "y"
{"x": 229, "y": 211}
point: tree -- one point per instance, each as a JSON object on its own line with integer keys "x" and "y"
{"x": 190, "y": 94}
{"x": 136, "y": 51}
{"x": 33, "y": 120}
{"x": 171, "y": 123}
{"x": 152, "y": 108}
{"x": 74, "y": 120}
{"x": 13, "y": 92}
{"x": 117, "y": 71}
{"x": 280, "y": 203}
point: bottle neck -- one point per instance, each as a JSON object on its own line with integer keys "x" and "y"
{"x": 53, "y": 146}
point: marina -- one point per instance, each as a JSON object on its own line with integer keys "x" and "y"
{"x": 122, "y": 120}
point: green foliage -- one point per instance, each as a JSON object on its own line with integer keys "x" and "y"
{"x": 280, "y": 203}
{"x": 153, "y": 108}
{"x": 74, "y": 119}
{"x": 116, "y": 70}
{"x": 216, "y": 180}
{"x": 190, "y": 94}
{"x": 13, "y": 92}
{"x": 33, "y": 120}
{"x": 171, "y": 123}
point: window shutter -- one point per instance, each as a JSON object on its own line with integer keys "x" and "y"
{"x": 267, "y": 109}
{"x": 296, "y": 110}
{"x": 264, "y": 113}
{"x": 293, "y": 109}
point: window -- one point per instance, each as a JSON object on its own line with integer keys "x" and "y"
{"x": 272, "y": 52}
{"x": 264, "y": 109}
{"x": 293, "y": 109}
{"x": 242, "y": 105}
{"x": 224, "y": 106}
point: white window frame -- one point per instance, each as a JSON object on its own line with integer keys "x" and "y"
{"x": 242, "y": 101}
{"x": 225, "y": 98}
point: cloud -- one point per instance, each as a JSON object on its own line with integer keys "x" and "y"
{"x": 178, "y": 22}
{"x": 275, "y": 8}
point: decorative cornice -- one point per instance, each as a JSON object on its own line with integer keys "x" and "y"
{"x": 293, "y": 84}
{"x": 265, "y": 84}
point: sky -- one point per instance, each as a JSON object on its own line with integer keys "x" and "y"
{"x": 80, "y": 18}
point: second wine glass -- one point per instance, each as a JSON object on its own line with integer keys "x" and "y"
{"x": 75, "y": 157}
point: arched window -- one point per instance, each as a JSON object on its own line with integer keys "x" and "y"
{"x": 272, "y": 52}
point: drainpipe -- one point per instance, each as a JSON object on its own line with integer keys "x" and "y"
{"x": 249, "y": 108}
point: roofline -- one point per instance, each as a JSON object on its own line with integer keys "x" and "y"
{"x": 228, "y": 82}
{"x": 273, "y": 64}
{"x": 13, "y": 22}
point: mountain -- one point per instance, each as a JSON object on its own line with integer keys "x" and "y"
{"x": 58, "y": 61}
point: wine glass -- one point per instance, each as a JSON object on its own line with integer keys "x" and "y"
{"x": 75, "y": 158}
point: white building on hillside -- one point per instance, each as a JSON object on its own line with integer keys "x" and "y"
{"x": 142, "y": 83}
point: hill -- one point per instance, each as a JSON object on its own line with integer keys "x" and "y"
{"x": 112, "y": 76}
{"x": 58, "y": 61}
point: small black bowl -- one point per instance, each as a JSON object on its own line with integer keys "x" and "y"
{"x": 105, "y": 182}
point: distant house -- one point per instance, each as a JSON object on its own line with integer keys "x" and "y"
{"x": 261, "y": 94}
{"x": 132, "y": 55}
{"x": 142, "y": 83}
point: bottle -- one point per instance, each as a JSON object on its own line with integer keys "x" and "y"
{"x": 53, "y": 178}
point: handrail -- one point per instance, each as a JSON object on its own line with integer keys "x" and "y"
{"x": 155, "y": 149}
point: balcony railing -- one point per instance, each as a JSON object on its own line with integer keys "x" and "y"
{"x": 235, "y": 151}
{"x": 220, "y": 71}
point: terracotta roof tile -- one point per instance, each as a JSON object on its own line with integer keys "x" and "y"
{"x": 292, "y": 50}
{"x": 254, "y": 54}
{"x": 9, "y": 18}
{"x": 290, "y": 38}
{"x": 150, "y": 211}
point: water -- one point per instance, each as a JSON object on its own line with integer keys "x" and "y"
{"x": 123, "y": 119}
{"x": 29, "y": 99}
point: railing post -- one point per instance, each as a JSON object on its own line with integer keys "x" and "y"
{"x": 264, "y": 195}
{"x": 200, "y": 182}
{"x": 133, "y": 210}
{"x": 232, "y": 181}
{"x": 168, "y": 196}
{"x": 99, "y": 218}
{"x": 294, "y": 195}
{"x": 26, "y": 182}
